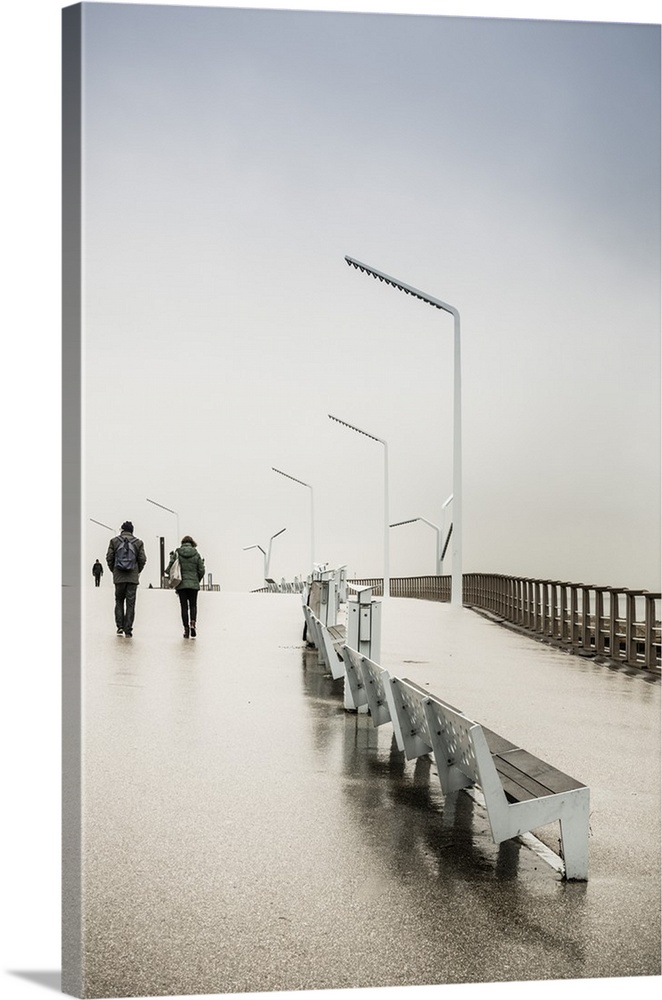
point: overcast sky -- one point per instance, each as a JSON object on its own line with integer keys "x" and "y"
{"x": 456, "y": 214}
{"x": 510, "y": 167}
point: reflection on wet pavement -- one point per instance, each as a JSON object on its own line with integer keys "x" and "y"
{"x": 244, "y": 833}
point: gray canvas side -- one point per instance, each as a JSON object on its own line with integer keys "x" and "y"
{"x": 72, "y": 970}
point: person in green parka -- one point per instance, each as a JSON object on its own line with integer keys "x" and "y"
{"x": 193, "y": 570}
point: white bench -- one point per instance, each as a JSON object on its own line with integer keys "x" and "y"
{"x": 521, "y": 792}
{"x": 328, "y": 642}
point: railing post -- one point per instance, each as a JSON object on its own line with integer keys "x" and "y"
{"x": 536, "y": 605}
{"x": 586, "y": 617}
{"x": 553, "y": 612}
{"x": 599, "y": 615}
{"x": 650, "y": 656}
{"x": 631, "y": 625}
{"x": 563, "y": 612}
{"x": 544, "y": 598}
{"x": 574, "y": 612}
{"x": 630, "y": 619}
{"x": 614, "y": 637}
{"x": 529, "y": 603}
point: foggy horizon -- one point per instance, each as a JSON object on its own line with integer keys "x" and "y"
{"x": 232, "y": 158}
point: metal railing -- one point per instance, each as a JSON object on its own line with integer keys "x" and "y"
{"x": 284, "y": 587}
{"x": 426, "y": 588}
{"x": 614, "y": 622}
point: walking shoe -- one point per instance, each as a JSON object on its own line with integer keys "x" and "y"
{"x": 120, "y": 631}
{"x": 193, "y": 632}
{"x": 129, "y": 635}
{"x": 186, "y": 633}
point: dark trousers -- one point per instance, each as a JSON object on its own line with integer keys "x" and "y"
{"x": 188, "y": 603}
{"x": 125, "y": 605}
{"x": 97, "y": 579}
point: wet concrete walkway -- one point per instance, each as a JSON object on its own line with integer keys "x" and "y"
{"x": 242, "y": 832}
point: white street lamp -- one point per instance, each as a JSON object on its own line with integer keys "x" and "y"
{"x": 312, "y": 512}
{"x": 247, "y": 547}
{"x": 437, "y": 558}
{"x": 170, "y": 512}
{"x": 456, "y": 590}
{"x": 269, "y": 548}
{"x": 267, "y": 554}
{"x": 373, "y": 437}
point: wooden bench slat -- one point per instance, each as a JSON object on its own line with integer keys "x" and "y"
{"x": 337, "y": 632}
{"x": 531, "y": 788}
{"x": 543, "y": 772}
{"x": 513, "y": 790}
{"x": 530, "y": 785}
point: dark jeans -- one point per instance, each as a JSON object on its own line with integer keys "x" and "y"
{"x": 97, "y": 579}
{"x": 188, "y": 602}
{"x": 125, "y": 605}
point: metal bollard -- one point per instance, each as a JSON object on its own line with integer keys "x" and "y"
{"x": 328, "y": 614}
{"x": 364, "y": 631}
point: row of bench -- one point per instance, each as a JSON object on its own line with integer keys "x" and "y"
{"x": 521, "y": 792}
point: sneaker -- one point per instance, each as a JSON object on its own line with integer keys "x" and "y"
{"x": 186, "y": 633}
{"x": 193, "y": 632}
{"x": 120, "y": 631}
{"x": 129, "y": 635}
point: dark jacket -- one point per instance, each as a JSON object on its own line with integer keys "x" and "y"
{"x": 126, "y": 576}
{"x": 192, "y": 565}
{"x": 97, "y": 569}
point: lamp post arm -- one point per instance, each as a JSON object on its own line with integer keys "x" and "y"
{"x": 407, "y": 289}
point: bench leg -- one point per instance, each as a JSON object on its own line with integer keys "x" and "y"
{"x": 406, "y": 738}
{"x": 574, "y": 838}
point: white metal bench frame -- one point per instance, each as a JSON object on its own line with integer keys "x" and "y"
{"x": 424, "y": 723}
{"x": 324, "y": 643}
{"x": 366, "y": 683}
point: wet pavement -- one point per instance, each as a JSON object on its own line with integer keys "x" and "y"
{"x": 243, "y": 833}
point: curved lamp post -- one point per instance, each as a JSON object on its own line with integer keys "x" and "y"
{"x": 456, "y": 589}
{"x": 312, "y": 512}
{"x": 437, "y": 558}
{"x": 373, "y": 437}
{"x": 267, "y": 554}
{"x": 442, "y": 544}
{"x": 247, "y": 547}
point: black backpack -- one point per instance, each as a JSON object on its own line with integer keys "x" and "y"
{"x": 125, "y": 555}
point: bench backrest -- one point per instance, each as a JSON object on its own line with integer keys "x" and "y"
{"x": 369, "y": 679}
{"x": 456, "y": 733}
{"x": 322, "y": 639}
{"x": 425, "y": 724}
{"x": 354, "y": 676}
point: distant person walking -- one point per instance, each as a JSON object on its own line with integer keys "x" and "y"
{"x": 192, "y": 567}
{"x": 126, "y": 559}
{"x": 97, "y": 573}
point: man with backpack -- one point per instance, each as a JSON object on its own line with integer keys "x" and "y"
{"x": 126, "y": 559}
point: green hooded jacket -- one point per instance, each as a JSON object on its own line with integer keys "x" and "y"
{"x": 192, "y": 565}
